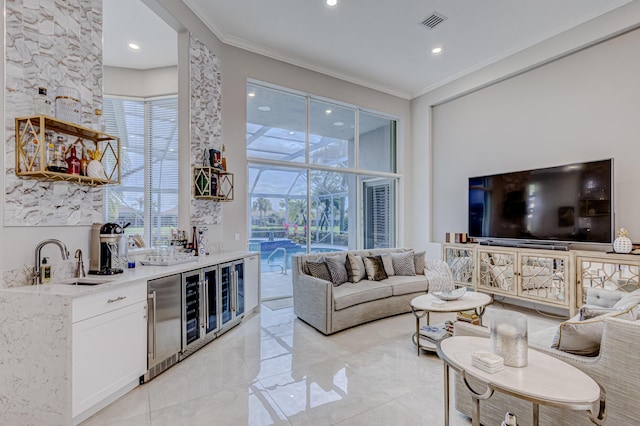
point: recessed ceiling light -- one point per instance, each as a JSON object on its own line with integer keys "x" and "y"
{"x": 264, "y": 108}
{"x": 330, "y": 3}
{"x": 292, "y": 133}
{"x": 338, "y": 123}
{"x": 133, "y": 45}
{"x": 437, "y": 50}
{"x": 328, "y": 111}
{"x": 251, "y": 95}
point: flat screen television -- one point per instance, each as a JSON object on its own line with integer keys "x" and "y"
{"x": 570, "y": 203}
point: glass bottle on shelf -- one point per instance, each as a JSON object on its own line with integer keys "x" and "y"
{"x": 84, "y": 162}
{"x": 57, "y": 161}
{"x": 41, "y": 102}
{"x": 98, "y": 121}
{"x": 73, "y": 163}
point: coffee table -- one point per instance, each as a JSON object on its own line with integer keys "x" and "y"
{"x": 545, "y": 380}
{"x": 423, "y": 305}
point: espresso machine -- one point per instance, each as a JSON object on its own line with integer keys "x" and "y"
{"x": 105, "y": 248}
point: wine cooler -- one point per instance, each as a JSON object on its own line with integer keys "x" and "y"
{"x": 213, "y": 302}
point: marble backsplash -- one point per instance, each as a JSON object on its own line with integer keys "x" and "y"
{"x": 50, "y": 43}
{"x": 206, "y": 122}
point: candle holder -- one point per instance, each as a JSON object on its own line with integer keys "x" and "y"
{"x": 509, "y": 337}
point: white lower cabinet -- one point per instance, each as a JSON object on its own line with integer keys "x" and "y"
{"x": 109, "y": 346}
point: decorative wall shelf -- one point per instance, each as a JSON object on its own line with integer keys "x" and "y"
{"x": 31, "y": 157}
{"x": 210, "y": 183}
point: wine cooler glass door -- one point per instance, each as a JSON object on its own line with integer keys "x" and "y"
{"x": 210, "y": 298}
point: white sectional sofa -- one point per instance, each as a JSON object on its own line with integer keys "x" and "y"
{"x": 330, "y": 308}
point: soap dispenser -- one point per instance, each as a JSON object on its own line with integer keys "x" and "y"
{"x": 46, "y": 270}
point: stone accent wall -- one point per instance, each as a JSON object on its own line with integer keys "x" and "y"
{"x": 50, "y": 43}
{"x": 206, "y": 122}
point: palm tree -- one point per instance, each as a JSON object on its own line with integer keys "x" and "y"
{"x": 262, "y": 205}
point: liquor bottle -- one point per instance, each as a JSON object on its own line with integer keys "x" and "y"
{"x": 223, "y": 161}
{"x": 194, "y": 241}
{"x": 57, "y": 162}
{"x": 73, "y": 163}
{"x": 33, "y": 156}
{"x": 84, "y": 162}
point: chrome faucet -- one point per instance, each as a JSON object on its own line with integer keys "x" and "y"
{"x": 37, "y": 272}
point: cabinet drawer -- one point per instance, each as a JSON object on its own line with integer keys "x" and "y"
{"x": 108, "y": 300}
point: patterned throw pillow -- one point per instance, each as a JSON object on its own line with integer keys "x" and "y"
{"x": 355, "y": 268}
{"x": 404, "y": 263}
{"x": 418, "y": 260}
{"x": 337, "y": 270}
{"x": 319, "y": 270}
{"x": 375, "y": 268}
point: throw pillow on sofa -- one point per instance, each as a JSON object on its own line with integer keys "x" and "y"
{"x": 375, "y": 268}
{"x": 403, "y": 263}
{"x": 318, "y": 269}
{"x": 583, "y": 337}
{"x": 388, "y": 264}
{"x": 337, "y": 270}
{"x": 355, "y": 268}
{"x": 418, "y": 260}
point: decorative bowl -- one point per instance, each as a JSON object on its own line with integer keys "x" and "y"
{"x": 450, "y": 295}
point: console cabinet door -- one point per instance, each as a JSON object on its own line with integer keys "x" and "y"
{"x": 460, "y": 259}
{"x": 619, "y": 272}
{"x": 252, "y": 282}
{"x": 109, "y": 351}
{"x": 496, "y": 271}
{"x": 545, "y": 277}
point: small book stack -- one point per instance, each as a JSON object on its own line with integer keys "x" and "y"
{"x": 487, "y": 361}
{"x": 434, "y": 332}
{"x": 468, "y": 317}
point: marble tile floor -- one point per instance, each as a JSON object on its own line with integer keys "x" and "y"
{"x": 273, "y": 369}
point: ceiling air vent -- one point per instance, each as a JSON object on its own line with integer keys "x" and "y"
{"x": 433, "y": 20}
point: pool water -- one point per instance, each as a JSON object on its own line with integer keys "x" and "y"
{"x": 266, "y": 248}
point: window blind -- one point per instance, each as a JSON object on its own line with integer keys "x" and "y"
{"x": 147, "y": 196}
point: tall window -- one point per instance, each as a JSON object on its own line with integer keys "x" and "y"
{"x": 322, "y": 175}
{"x": 147, "y": 196}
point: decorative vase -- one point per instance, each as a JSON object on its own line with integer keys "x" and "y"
{"x": 622, "y": 244}
{"x": 95, "y": 170}
{"x": 509, "y": 337}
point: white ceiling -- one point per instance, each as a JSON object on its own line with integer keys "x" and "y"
{"x": 131, "y": 20}
{"x": 376, "y": 43}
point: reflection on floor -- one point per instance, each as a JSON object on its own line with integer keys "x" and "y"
{"x": 275, "y": 369}
{"x": 275, "y": 285}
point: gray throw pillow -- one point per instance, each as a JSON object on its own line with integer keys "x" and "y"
{"x": 418, "y": 260}
{"x": 388, "y": 264}
{"x": 337, "y": 270}
{"x": 319, "y": 269}
{"x": 355, "y": 268}
{"x": 403, "y": 263}
{"x": 375, "y": 268}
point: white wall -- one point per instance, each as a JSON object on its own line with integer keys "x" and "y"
{"x": 538, "y": 108}
{"x": 583, "y": 107}
{"x": 140, "y": 83}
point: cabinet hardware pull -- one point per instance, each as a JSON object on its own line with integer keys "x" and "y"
{"x": 117, "y": 299}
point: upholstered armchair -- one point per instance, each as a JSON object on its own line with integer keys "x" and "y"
{"x": 616, "y": 369}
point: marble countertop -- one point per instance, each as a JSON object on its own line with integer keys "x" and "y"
{"x": 140, "y": 272}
